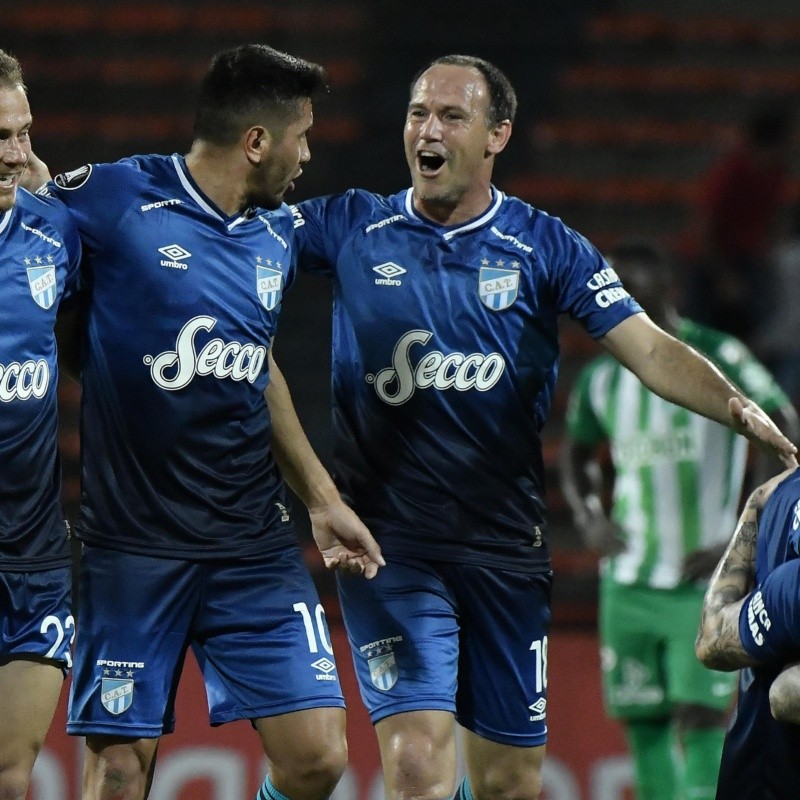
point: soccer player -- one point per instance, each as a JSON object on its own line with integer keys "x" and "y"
{"x": 186, "y": 530}
{"x": 750, "y": 622}
{"x": 445, "y": 352}
{"x": 677, "y": 479}
{"x": 39, "y": 257}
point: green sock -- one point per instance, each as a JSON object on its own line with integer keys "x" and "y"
{"x": 702, "y": 750}
{"x": 650, "y": 744}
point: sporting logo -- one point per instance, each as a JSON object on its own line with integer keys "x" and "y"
{"x": 796, "y": 516}
{"x": 116, "y": 694}
{"x": 73, "y": 179}
{"x": 269, "y": 285}
{"x": 43, "y": 284}
{"x": 498, "y": 288}
{"x": 174, "y": 369}
{"x": 389, "y": 273}
{"x": 396, "y": 385}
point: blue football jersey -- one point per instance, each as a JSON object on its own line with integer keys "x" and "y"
{"x": 445, "y": 356}
{"x": 40, "y": 255}
{"x": 759, "y": 759}
{"x": 182, "y": 306}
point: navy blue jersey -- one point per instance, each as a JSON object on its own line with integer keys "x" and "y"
{"x": 39, "y": 259}
{"x": 759, "y": 759}
{"x": 182, "y": 306}
{"x": 445, "y": 356}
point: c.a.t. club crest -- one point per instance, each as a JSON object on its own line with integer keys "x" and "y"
{"x": 497, "y": 286}
{"x": 42, "y": 281}
{"x": 269, "y": 284}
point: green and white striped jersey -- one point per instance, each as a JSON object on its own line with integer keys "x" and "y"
{"x": 678, "y": 475}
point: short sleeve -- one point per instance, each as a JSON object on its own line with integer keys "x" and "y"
{"x": 769, "y": 621}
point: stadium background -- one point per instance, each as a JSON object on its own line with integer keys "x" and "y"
{"x": 624, "y": 104}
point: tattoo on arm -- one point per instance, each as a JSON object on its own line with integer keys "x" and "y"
{"x": 718, "y": 637}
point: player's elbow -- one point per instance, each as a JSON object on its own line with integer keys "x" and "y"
{"x": 707, "y": 651}
{"x": 784, "y": 699}
{"x": 703, "y": 651}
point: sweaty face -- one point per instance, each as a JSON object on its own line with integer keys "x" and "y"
{"x": 15, "y": 145}
{"x": 446, "y": 134}
{"x": 282, "y": 164}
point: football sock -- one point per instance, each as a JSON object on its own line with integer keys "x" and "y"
{"x": 269, "y": 792}
{"x": 654, "y": 765}
{"x": 463, "y": 792}
{"x": 702, "y": 751}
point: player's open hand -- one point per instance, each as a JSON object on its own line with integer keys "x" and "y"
{"x": 751, "y": 421}
{"x": 344, "y": 540}
{"x": 35, "y": 174}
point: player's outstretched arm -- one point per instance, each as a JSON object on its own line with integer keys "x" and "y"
{"x": 718, "y": 644}
{"x": 344, "y": 541}
{"x": 681, "y": 375}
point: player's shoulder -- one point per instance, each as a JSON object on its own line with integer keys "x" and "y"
{"x": 550, "y": 234}
{"x": 116, "y": 173}
{"x": 350, "y": 208}
{"x": 42, "y": 210}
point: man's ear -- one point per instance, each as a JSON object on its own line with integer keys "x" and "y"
{"x": 498, "y": 137}
{"x": 256, "y": 143}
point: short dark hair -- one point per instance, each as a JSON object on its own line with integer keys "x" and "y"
{"x": 502, "y": 97}
{"x": 247, "y": 82}
{"x": 10, "y": 71}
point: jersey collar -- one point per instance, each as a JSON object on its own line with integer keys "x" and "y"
{"x": 194, "y": 192}
{"x": 5, "y": 219}
{"x": 451, "y": 232}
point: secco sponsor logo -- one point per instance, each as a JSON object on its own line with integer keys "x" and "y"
{"x": 395, "y": 385}
{"x": 757, "y": 618}
{"x": 175, "y": 369}
{"x": 23, "y": 381}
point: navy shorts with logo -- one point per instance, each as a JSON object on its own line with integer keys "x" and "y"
{"x": 36, "y": 616}
{"x": 453, "y": 637}
{"x": 256, "y": 628}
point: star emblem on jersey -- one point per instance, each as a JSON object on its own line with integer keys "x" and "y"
{"x": 43, "y": 284}
{"x": 497, "y": 288}
{"x": 269, "y": 284}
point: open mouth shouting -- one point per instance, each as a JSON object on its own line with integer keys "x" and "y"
{"x": 429, "y": 163}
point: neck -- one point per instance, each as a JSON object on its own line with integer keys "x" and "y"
{"x": 216, "y": 171}
{"x": 454, "y": 212}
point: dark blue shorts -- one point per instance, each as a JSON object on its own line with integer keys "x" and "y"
{"x": 36, "y": 616}
{"x": 256, "y": 628}
{"x": 453, "y": 637}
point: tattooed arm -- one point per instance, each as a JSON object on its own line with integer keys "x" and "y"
{"x": 718, "y": 644}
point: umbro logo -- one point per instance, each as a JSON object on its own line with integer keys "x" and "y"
{"x": 538, "y": 710}
{"x": 389, "y": 273}
{"x": 175, "y": 256}
{"x": 796, "y": 516}
{"x": 325, "y": 667}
